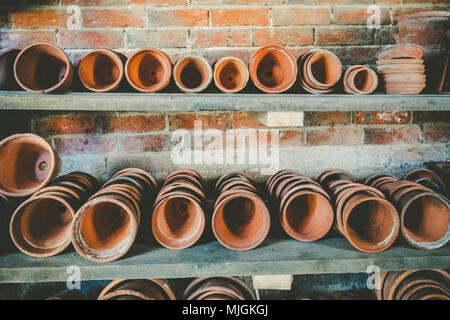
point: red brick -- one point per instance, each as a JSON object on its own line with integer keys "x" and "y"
{"x": 292, "y": 36}
{"x": 239, "y": 38}
{"x": 293, "y": 16}
{"x": 160, "y": 38}
{"x": 327, "y": 118}
{"x": 349, "y": 15}
{"x": 92, "y": 2}
{"x": 85, "y": 145}
{"x": 431, "y": 116}
{"x": 246, "y": 120}
{"x": 177, "y": 17}
{"x": 114, "y": 18}
{"x": 292, "y": 138}
{"x": 436, "y": 132}
{"x": 382, "y": 117}
{"x": 135, "y": 123}
{"x": 209, "y": 38}
{"x": 343, "y": 2}
{"x": 23, "y": 38}
{"x": 209, "y": 121}
{"x": 400, "y": 12}
{"x": 89, "y": 39}
{"x": 159, "y": 2}
{"x": 388, "y": 1}
{"x": 356, "y": 54}
{"x": 343, "y": 36}
{"x": 240, "y": 17}
{"x": 392, "y": 135}
{"x": 49, "y": 18}
{"x": 71, "y": 124}
{"x": 334, "y": 136}
{"x": 151, "y": 142}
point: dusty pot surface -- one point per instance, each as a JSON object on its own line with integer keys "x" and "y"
{"x": 28, "y": 163}
{"x": 230, "y": 74}
{"x": 43, "y": 68}
{"x": 7, "y": 59}
{"x": 192, "y": 74}
{"x": 101, "y": 70}
{"x": 149, "y": 70}
{"x": 273, "y": 69}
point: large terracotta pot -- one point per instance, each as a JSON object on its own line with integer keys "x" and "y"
{"x": 28, "y": 163}
{"x": 101, "y": 70}
{"x": 7, "y": 59}
{"x": 43, "y": 68}
{"x": 273, "y": 69}
{"x": 142, "y": 289}
{"x": 192, "y": 74}
{"x": 230, "y": 74}
{"x": 149, "y": 70}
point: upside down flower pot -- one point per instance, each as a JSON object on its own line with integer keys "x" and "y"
{"x": 43, "y": 68}
{"x": 101, "y": 70}
{"x": 231, "y": 74}
{"x": 7, "y": 59}
{"x": 28, "y": 163}
{"x": 192, "y": 74}
{"x": 149, "y": 70}
{"x": 273, "y": 69}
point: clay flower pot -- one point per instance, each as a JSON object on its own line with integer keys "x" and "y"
{"x": 360, "y": 80}
{"x": 273, "y": 69}
{"x": 43, "y": 68}
{"x": 7, "y": 59}
{"x": 101, "y": 70}
{"x": 142, "y": 289}
{"x": 218, "y": 288}
{"x": 28, "y": 163}
{"x": 192, "y": 74}
{"x": 230, "y": 74}
{"x": 149, "y": 70}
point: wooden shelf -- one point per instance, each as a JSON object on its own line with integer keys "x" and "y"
{"x": 78, "y": 101}
{"x": 334, "y": 255}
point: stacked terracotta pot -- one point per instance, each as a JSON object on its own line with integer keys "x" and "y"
{"x": 7, "y": 59}
{"x": 428, "y": 179}
{"x": 218, "y": 288}
{"x": 67, "y": 295}
{"x": 360, "y": 80}
{"x": 362, "y": 213}
{"x": 402, "y": 69}
{"x": 442, "y": 169}
{"x": 192, "y": 74}
{"x": 241, "y": 220}
{"x": 142, "y": 289}
{"x": 414, "y": 285}
{"x": 230, "y": 74}
{"x": 105, "y": 227}
{"x": 5, "y": 212}
{"x": 303, "y": 206}
{"x": 319, "y": 71}
{"x": 424, "y": 213}
{"x": 42, "y": 225}
{"x": 178, "y": 217}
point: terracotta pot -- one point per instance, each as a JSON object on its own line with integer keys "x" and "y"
{"x": 401, "y": 51}
{"x": 143, "y": 289}
{"x": 7, "y": 59}
{"x": 43, "y": 68}
{"x": 67, "y": 295}
{"x": 149, "y": 70}
{"x": 101, "y": 70}
{"x": 324, "y": 69}
{"x": 239, "y": 287}
{"x": 418, "y": 174}
{"x": 360, "y": 80}
{"x": 28, "y": 163}
{"x": 192, "y": 74}
{"x": 374, "y": 177}
{"x": 230, "y": 74}
{"x": 273, "y": 69}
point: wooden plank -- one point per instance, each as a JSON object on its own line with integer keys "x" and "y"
{"x": 212, "y": 259}
{"x": 78, "y": 101}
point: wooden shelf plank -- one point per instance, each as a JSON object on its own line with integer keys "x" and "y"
{"x": 78, "y": 101}
{"x": 212, "y": 259}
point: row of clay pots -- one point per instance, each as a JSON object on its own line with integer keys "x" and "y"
{"x": 362, "y": 214}
{"x": 414, "y": 285}
{"x": 42, "y": 225}
{"x": 360, "y": 80}
{"x": 28, "y": 163}
{"x": 424, "y": 213}
{"x": 303, "y": 206}
{"x": 142, "y": 289}
{"x": 218, "y": 288}
{"x": 241, "y": 219}
{"x": 106, "y": 226}
{"x": 178, "y": 219}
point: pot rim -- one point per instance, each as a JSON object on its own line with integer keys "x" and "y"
{"x": 201, "y": 87}
{"x": 216, "y": 74}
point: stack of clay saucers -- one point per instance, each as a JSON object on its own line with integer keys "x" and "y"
{"x": 178, "y": 217}
{"x": 402, "y": 69}
{"x": 303, "y": 206}
{"x": 105, "y": 227}
{"x": 218, "y": 288}
{"x": 42, "y": 225}
{"x": 241, "y": 219}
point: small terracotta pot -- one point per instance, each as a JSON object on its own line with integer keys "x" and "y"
{"x": 43, "y": 68}
{"x": 7, "y": 59}
{"x": 101, "y": 70}
{"x": 192, "y": 74}
{"x": 28, "y": 163}
{"x": 143, "y": 289}
{"x": 230, "y": 74}
{"x": 149, "y": 70}
{"x": 273, "y": 69}
{"x": 360, "y": 80}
